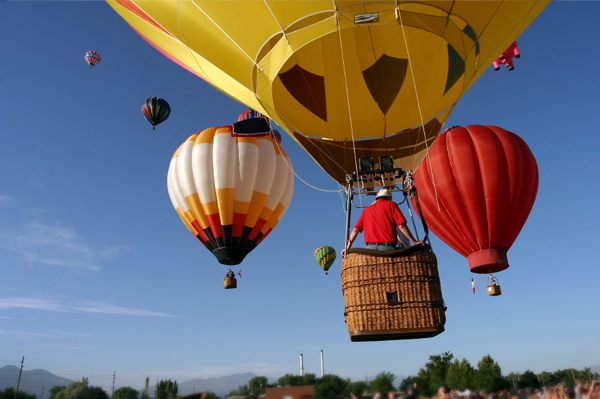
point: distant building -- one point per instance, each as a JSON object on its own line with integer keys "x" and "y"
{"x": 304, "y": 392}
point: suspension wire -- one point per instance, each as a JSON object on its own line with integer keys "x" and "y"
{"x": 276, "y": 20}
{"x": 188, "y": 47}
{"x": 411, "y": 216}
{"x": 299, "y": 178}
{"x": 226, "y": 35}
{"x": 347, "y": 92}
{"x": 399, "y": 13}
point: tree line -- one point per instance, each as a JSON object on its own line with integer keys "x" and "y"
{"x": 440, "y": 370}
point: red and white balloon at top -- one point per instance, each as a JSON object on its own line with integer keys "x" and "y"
{"x": 92, "y": 58}
{"x": 507, "y": 56}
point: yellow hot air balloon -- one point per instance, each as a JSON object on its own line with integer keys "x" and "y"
{"x": 230, "y": 191}
{"x": 347, "y": 79}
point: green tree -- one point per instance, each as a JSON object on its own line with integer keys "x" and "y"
{"x": 548, "y": 379}
{"x": 357, "y": 387}
{"x": 330, "y": 386}
{"x": 384, "y": 383}
{"x": 144, "y": 394}
{"x": 241, "y": 390}
{"x": 528, "y": 380}
{"x": 257, "y": 385}
{"x": 488, "y": 376}
{"x": 460, "y": 375}
{"x": 291, "y": 380}
{"x": 126, "y": 393}
{"x": 95, "y": 393}
{"x": 166, "y": 389}
{"x": 9, "y": 393}
{"x": 437, "y": 368}
{"x": 55, "y": 390}
{"x": 78, "y": 390}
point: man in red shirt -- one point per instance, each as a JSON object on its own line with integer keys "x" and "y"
{"x": 379, "y": 222}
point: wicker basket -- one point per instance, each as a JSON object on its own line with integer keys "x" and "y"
{"x": 230, "y": 283}
{"x": 392, "y": 294}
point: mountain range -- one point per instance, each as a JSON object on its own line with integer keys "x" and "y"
{"x": 32, "y": 381}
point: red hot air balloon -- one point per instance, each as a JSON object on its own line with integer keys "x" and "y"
{"x": 476, "y": 189}
{"x": 92, "y": 58}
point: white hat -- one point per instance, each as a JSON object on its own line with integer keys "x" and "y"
{"x": 384, "y": 192}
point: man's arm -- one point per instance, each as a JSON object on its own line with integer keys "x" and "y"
{"x": 406, "y": 231}
{"x": 350, "y": 241}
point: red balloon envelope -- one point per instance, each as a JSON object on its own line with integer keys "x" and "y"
{"x": 476, "y": 188}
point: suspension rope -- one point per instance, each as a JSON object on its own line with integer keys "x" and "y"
{"x": 399, "y": 13}
{"x": 226, "y": 35}
{"x": 276, "y": 20}
{"x": 299, "y": 178}
{"x": 347, "y": 92}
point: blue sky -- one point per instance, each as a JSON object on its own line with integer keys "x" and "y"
{"x": 98, "y": 274}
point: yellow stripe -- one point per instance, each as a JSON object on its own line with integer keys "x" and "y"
{"x": 206, "y": 136}
{"x": 196, "y": 208}
{"x": 185, "y": 221}
{"x": 210, "y": 208}
{"x": 224, "y": 129}
{"x": 241, "y": 207}
{"x": 257, "y": 202}
{"x": 176, "y": 154}
{"x": 225, "y": 201}
{"x": 252, "y": 140}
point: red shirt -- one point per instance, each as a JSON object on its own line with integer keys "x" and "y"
{"x": 379, "y": 222}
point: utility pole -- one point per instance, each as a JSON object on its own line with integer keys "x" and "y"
{"x": 42, "y": 395}
{"x": 19, "y": 380}
{"x": 112, "y": 394}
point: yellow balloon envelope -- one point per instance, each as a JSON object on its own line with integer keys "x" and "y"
{"x": 339, "y": 76}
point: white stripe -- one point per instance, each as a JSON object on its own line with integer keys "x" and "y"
{"x": 245, "y": 171}
{"x": 202, "y": 167}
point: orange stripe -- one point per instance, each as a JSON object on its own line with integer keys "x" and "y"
{"x": 273, "y": 219}
{"x": 197, "y": 210}
{"x": 241, "y": 207}
{"x": 257, "y": 202}
{"x": 224, "y": 129}
{"x": 206, "y": 136}
{"x": 186, "y": 221}
{"x": 210, "y": 208}
{"x": 225, "y": 201}
{"x": 252, "y": 140}
{"x": 191, "y": 138}
{"x": 176, "y": 154}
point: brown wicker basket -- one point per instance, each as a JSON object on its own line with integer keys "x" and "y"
{"x": 230, "y": 283}
{"x": 392, "y": 294}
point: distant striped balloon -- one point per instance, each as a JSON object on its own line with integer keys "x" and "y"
{"x": 230, "y": 191}
{"x": 156, "y": 110}
{"x": 249, "y": 114}
{"x": 92, "y": 58}
{"x": 325, "y": 256}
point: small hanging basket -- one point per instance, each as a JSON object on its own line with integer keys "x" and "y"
{"x": 230, "y": 283}
{"x": 493, "y": 287}
{"x": 392, "y": 295}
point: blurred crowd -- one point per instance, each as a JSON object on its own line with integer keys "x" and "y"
{"x": 587, "y": 390}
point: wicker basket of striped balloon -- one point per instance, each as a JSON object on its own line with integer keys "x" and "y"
{"x": 392, "y": 294}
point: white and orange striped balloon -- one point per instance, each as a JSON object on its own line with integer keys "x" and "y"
{"x": 230, "y": 191}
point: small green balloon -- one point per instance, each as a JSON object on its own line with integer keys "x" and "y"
{"x": 325, "y": 256}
